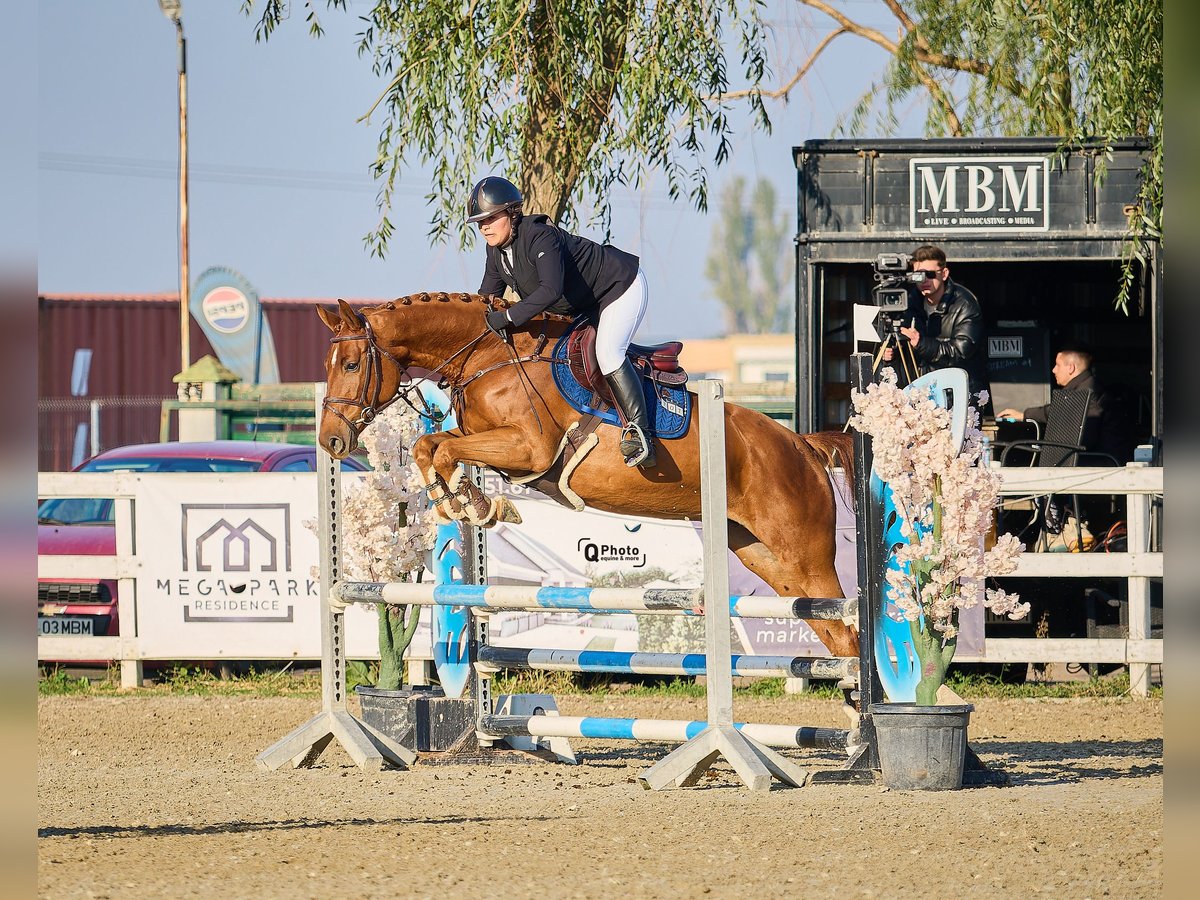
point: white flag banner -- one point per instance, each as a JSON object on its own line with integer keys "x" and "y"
{"x": 864, "y": 323}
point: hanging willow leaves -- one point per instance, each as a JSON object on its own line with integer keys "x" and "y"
{"x": 568, "y": 98}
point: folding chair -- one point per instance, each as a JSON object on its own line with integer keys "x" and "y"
{"x": 1060, "y": 446}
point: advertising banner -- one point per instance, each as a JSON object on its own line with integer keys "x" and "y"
{"x": 560, "y": 547}
{"x": 995, "y": 194}
{"x": 228, "y": 310}
{"x": 228, "y": 569}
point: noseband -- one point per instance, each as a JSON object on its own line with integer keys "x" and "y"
{"x": 368, "y": 400}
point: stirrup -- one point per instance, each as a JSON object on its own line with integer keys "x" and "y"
{"x": 635, "y": 447}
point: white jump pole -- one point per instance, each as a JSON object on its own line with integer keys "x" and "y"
{"x": 367, "y": 747}
{"x": 754, "y": 762}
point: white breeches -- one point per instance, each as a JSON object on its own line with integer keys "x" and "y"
{"x": 619, "y": 322}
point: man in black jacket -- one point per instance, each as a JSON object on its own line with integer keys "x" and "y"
{"x": 1106, "y": 428}
{"x": 551, "y": 270}
{"x": 945, "y": 324}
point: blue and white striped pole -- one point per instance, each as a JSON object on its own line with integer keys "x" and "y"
{"x": 673, "y": 731}
{"x": 664, "y": 601}
{"x": 495, "y": 658}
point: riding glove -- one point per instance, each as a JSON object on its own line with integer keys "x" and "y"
{"x": 499, "y": 322}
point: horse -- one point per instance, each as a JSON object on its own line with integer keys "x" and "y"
{"x": 512, "y": 418}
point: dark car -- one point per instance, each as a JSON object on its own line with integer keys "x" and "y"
{"x": 86, "y": 526}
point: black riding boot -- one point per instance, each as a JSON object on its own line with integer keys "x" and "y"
{"x": 636, "y": 444}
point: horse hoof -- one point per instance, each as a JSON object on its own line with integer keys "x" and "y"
{"x": 506, "y": 511}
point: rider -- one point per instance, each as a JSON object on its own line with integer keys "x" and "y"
{"x": 554, "y": 271}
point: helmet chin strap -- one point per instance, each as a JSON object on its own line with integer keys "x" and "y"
{"x": 515, "y": 218}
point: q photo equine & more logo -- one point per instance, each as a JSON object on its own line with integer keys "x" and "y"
{"x": 598, "y": 552}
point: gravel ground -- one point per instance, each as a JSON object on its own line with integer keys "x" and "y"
{"x": 159, "y": 797}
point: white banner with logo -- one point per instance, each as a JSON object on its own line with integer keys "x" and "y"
{"x": 227, "y": 569}
{"x": 999, "y": 194}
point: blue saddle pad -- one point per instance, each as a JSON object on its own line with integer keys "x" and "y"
{"x": 670, "y": 407}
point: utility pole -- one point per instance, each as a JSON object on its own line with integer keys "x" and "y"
{"x": 173, "y": 9}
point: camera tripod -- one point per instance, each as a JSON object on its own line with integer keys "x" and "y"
{"x": 908, "y": 359}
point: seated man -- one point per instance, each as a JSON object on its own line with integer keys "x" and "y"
{"x": 1105, "y": 431}
{"x": 1106, "y": 428}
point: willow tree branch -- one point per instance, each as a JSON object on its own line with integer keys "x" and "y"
{"x": 953, "y": 124}
{"x": 800, "y": 73}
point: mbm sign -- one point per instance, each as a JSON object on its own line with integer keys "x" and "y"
{"x": 974, "y": 194}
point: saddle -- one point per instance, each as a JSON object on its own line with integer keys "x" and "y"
{"x": 658, "y": 363}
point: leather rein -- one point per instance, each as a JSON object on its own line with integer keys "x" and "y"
{"x": 368, "y": 401}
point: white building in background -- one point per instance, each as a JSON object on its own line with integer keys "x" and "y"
{"x": 759, "y": 370}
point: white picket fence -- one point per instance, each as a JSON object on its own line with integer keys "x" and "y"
{"x": 1139, "y": 566}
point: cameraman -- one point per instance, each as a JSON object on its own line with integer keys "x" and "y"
{"x": 945, "y": 324}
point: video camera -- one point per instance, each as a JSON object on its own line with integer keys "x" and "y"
{"x": 894, "y": 282}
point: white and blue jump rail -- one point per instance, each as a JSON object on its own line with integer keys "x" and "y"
{"x": 786, "y": 737}
{"x": 493, "y": 659}
{"x": 644, "y": 601}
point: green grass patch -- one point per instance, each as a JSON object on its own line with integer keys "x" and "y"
{"x": 281, "y": 681}
{"x": 983, "y": 686}
{"x": 55, "y": 682}
{"x": 184, "y": 681}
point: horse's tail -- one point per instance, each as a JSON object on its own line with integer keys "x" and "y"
{"x": 836, "y": 450}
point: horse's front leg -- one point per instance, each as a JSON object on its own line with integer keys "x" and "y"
{"x": 505, "y": 448}
{"x": 442, "y": 498}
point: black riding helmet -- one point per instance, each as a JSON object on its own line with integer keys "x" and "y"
{"x": 490, "y": 196}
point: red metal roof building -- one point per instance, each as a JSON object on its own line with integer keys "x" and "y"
{"x": 134, "y": 341}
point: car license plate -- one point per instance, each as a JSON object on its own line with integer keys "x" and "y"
{"x": 74, "y": 626}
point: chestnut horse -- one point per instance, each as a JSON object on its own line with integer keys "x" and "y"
{"x": 512, "y": 418}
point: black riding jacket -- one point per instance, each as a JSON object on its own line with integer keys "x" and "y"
{"x": 557, "y": 272}
{"x": 953, "y": 335}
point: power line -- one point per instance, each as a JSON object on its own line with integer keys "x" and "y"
{"x": 220, "y": 173}
{"x": 271, "y": 177}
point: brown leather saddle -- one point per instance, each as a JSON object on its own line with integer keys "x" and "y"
{"x": 657, "y": 362}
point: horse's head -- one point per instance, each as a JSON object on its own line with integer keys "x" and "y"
{"x": 361, "y": 378}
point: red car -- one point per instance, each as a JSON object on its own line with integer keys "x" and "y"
{"x": 85, "y": 526}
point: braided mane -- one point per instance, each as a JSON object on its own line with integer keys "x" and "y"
{"x": 459, "y": 297}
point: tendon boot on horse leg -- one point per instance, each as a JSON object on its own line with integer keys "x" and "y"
{"x": 444, "y": 503}
{"x": 482, "y": 510}
{"x": 637, "y": 447}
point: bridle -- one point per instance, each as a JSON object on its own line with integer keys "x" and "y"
{"x": 368, "y": 401}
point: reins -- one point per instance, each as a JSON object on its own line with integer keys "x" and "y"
{"x": 368, "y": 401}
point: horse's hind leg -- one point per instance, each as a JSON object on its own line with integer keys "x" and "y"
{"x": 839, "y": 639}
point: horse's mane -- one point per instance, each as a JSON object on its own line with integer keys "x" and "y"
{"x": 438, "y": 297}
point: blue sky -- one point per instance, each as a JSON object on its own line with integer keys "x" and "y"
{"x": 279, "y": 188}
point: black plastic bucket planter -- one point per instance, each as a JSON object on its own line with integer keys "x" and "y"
{"x": 420, "y": 717}
{"x": 922, "y": 748}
